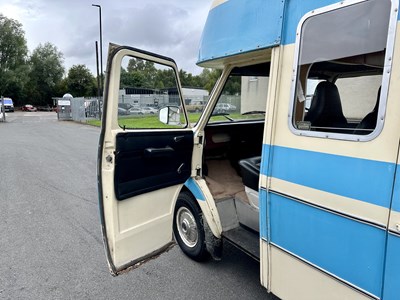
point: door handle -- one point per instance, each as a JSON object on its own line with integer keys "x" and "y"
{"x": 180, "y": 168}
{"x": 178, "y": 138}
{"x": 158, "y": 152}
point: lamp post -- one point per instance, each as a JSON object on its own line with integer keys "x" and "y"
{"x": 101, "y": 48}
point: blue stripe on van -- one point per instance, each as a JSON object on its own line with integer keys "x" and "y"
{"x": 346, "y": 248}
{"x": 194, "y": 189}
{"x": 265, "y": 167}
{"x": 396, "y": 192}
{"x": 361, "y": 179}
{"x": 263, "y": 201}
{"x": 391, "y": 289}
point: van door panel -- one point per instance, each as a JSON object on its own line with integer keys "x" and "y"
{"x": 147, "y": 161}
{"x": 141, "y": 168}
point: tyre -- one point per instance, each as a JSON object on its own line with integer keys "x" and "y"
{"x": 188, "y": 227}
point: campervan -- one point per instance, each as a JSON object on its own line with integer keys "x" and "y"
{"x": 303, "y": 175}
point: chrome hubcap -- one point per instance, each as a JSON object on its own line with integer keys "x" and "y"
{"x": 187, "y": 228}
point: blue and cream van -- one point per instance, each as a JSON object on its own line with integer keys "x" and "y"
{"x": 302, "y": 175}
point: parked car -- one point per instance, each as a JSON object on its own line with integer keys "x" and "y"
{"x": 28, "y": 107}
{"x": 149, "y": 110}
{"x": 232, "y": 107}
{"x": 136, "y": 111}
{"x": 126, "y": 106}
{"x": 224, "y": 108}
{"x": 122, "y": 111}
{"x": 45, "y": 108}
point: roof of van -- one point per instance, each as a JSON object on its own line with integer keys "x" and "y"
{"x": 239, "y": 26}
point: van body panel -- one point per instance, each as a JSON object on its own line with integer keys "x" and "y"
{"x": 306, "y": 280}
{"x": 236, "y": 26}
{"x": 328, "y": 201}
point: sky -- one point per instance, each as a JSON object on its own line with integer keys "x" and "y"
{"x": 171, "y": 28}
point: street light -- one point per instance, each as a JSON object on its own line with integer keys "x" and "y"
{"x": 101, "y": 47}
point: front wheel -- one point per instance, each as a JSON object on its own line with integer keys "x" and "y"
{"x": 188, "y": 227}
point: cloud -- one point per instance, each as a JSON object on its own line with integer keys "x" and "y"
{"x": 170, "y": 28}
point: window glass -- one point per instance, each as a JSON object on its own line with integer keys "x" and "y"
{"x": 145, "y": 88}
{"x": 366, "y": 88}
{"x": 244, "y": 96}
{"x": 340, "y": 67}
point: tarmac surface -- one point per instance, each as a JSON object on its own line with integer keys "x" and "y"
{"x": 50, "y": 238}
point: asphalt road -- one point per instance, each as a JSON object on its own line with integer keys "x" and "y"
{"x": 50, "y": 239}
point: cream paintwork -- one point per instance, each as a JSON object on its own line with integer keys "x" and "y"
{"x": 276, "y": 65}
{"x": 209, "y": 209}
{"x": 304, "y": 281}
{"x": 239, "y": 59}
{"x": 394, "y": 223}
{"x": 217, "y": 3}
{"x": 141, "y": 225}
{"x": 379, "y": 149}
{"x": 351, "y": 207}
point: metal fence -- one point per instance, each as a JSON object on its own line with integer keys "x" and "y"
{"x": 84, "y": 109}
{"x": 78, "y": 109}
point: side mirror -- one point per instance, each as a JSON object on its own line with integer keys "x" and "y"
{"x": 170, "y": 115}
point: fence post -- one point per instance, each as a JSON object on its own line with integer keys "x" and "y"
{"x": 3, "y": 109}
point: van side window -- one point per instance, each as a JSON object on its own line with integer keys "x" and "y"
{"x": 244, "y": 96}
{"x": 340, "y": 62}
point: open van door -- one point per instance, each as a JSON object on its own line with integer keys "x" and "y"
{"x": 144, "y": 157}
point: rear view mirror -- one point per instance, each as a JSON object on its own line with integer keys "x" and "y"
{"x": 170, "y": 115}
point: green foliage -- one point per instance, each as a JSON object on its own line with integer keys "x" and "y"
{"x": 233, "y": 85}
{"x": 46, "y": 73}
{"x": 208, "y": 78}
{"x": 80, "y": 81}
{"x": 13, "y": 54}
{"x": 131, "y": 79}
{"x": 144, "y": 74}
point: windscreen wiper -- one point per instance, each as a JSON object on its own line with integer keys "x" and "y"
{"x": 253, "y": 112}
{"x": 222, "y": 114}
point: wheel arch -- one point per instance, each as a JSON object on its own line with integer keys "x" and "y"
{"x": 212, "y": 227}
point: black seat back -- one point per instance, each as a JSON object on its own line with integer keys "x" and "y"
{"x": 326, "y": 107}
{"x": 368, "y": 123}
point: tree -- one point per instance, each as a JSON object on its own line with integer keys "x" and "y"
{"x": 165, "y": 79}
{"x": 46, "y": 73}
{"x": 80, "y": 81}
{"x": 208, "y": 78}
{"x": 132, "y": 79}
{"x": 13, "y": 54}
{"x": 145, "y": 69}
